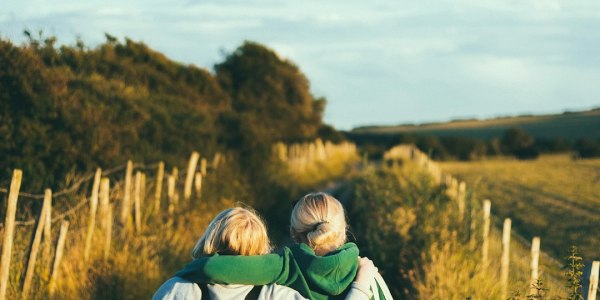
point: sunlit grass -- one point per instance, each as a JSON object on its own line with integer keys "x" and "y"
{"x": 437, "y": 256}
{"x": 553, "y": 197}
{"x": 308, "y": 164}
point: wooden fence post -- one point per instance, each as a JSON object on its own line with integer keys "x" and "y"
{"x": 48, "y": 229}
{"x": 92, "y": 220}
{"x": 198, "y": 184}
{"x": 126, "y": 205}
{"x": 108, "y": 231}
{"x": 535, "y": 260}
{"x": 171, "y": 197}
{"x": 203, "y": 167}
{"x": 37, "y": 238}
{"x": 9, "y": 230}
{"x": 594, "y": 274}
{"x": 62, "y": 236}
{"x": 159, "y": 182}
{"x": 104, "y": 200}
{"x": 189, "y": 177}
{"x": 143, "y": 189}
{"x": 136, "y": 201}
{"x": 217, "y": 158}
{"x": 487, "y": 205}
{"x": 175, "y": 174}
{"x": 505, "y": 257}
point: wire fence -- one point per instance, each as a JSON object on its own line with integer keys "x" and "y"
{"x": 71, "y": 190}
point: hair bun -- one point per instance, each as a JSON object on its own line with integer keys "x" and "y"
{"x": 321, "y": 234}
{"x": 319, "y": 225}
{"x": 318, "y": 220}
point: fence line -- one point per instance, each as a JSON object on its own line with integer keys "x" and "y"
{"x": 84, "y": 179}
{"x": 456, "y": 191}
{"x": 72, "y": 189}
{"x": 36, "y": 244}
{"x": 99, "y": 203}
{"x": 9, "y": 231}
{"x": 505, "y": 262}
{"x": 60, "y": 246}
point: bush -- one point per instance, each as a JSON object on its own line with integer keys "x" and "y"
{"x": 519, "y": 143}
{"x": 587, "y": 148}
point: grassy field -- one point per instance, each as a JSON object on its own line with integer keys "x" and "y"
{"x": 569, "y": 126}
{"x": 411, "y": 230}
{"x": 553, "y": 197}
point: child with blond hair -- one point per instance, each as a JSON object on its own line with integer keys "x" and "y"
{"x": 321, "y": 265}
{"x": 239, "y": 232}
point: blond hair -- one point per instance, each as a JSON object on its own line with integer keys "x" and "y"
{"x": 318, "y": 220}
{"x": 234, "y": 231}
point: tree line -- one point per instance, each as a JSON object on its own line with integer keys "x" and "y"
{"x": 66, "y": 109}
{"x": 513, "y": 142}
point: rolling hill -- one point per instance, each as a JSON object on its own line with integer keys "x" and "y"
{"x": 568, "y": 125}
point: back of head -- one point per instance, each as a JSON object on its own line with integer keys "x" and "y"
{"x": 318, "y": 220}
{"x": 234, "y": 231}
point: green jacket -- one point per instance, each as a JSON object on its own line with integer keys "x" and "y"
{"x": 298, "y": 267}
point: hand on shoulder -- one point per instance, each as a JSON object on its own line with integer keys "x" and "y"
{"x": 366, "y": 271}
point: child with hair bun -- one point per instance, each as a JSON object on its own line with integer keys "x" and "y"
{"x": 321, "y": 265}
{"x": 239, "y": 232}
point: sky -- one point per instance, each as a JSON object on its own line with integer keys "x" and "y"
{"x": 378, "y": 62}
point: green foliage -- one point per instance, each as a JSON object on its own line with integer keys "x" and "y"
{"x": 519, "y": 143}
{"x": 69, "y": 109}
{"x": 573, "y": 274}
{"x": 474, "y": 139}
{"x": 540, "y": 290}
{"x": 328, "y": 133}
{"x": 587, "y": 148}
{"x": 392, "y": 218}
{"x": 438, "y": 148}
{"x": 271, "y": 95}
{"x": 568, "y": 126}
{"x": 271, "y": 102}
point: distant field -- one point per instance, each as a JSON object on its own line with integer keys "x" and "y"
{"x": 553, "y": 197}
{"x": 568, "y": 126}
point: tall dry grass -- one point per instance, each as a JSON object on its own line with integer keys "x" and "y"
{"x": 140, "y": 261}
{"x": 410, "y": 227}
{"x": 311, "y": 163}
{"x": 553, "y": 197}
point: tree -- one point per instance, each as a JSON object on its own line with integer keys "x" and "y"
{"x": 519, "y": 143}
{"x": 271, "y": 95}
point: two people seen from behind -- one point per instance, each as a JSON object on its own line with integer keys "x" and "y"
{"x": 233, "y": 259}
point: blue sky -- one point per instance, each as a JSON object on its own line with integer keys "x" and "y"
{"x": 377, "y": 62}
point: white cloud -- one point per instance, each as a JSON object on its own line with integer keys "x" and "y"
{"x": 397, "y": 60}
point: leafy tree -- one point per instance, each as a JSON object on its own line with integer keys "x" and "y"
{"x": 270, "y": 95}
{"x": 73, "y": 108}
{"x": 519, "y": 143}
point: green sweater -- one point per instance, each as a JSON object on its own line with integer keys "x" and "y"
{"x": 298, "y": 267}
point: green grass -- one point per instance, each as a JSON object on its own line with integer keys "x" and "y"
{"x": 553, "y": 197}
{"x": 569, "y": 126}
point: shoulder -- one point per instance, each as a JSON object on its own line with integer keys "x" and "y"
{"x": 177, "y": 288}
{"x": 275, "y": 291}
